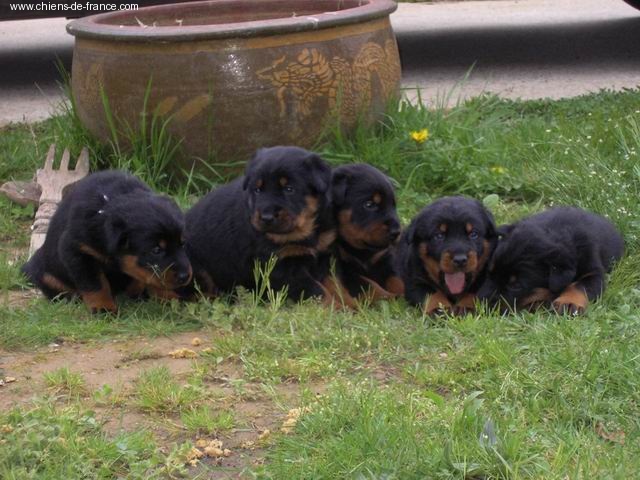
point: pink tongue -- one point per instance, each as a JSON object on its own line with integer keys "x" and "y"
{"x": 455, "y": 282}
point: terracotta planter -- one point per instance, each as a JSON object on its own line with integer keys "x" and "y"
{"x": 235, "y": 75}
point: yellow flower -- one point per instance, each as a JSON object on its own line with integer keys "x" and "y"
{"x": 499, "y": 170}
{"x": 419, "y": 136}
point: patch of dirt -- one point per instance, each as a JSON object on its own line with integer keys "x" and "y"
{"x": 118, "y": 363}
{"x": 114, "y": 363}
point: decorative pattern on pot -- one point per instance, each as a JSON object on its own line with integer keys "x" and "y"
{"x": 311, "y": 78}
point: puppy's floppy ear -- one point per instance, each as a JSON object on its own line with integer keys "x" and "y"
{"x": 115, "y": 234}
{"x": 249, "y": 169}
{"x": 320, "y": 178}
{"x": 339, "y": 185}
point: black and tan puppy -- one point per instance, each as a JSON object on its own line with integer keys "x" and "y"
{"x": 443, "y": 253}
{"x": 364, "y": 206}
{"x": 110, "y": 233}
{"x": 281, "y": 208}
{"x": 556, "y": 258}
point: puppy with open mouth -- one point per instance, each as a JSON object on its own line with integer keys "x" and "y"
{"x": 443, "y": 254}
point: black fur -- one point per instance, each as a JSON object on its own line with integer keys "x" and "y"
{"x": 439, "y": 236}
{"x": 110, "y": 225}
{"x": 364, "y": 207}
{"x": 550, "y": 251}
{"x": 254, "y": 217}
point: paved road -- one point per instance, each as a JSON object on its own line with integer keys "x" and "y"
{"x": 519, "y": 48}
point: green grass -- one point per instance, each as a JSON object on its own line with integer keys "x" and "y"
{"x": 158, "y": 392}
{"x": 206, "y": 420}
{"x": 481, "y": 396}
{"x": 65, "y": 382}
{"x": 51, "y": 442}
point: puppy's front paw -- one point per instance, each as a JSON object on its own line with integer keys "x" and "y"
{"x": 465, "y": 305}
{"x": 566, "y": 306}
{"x": 573, "y": 300}
{"x": 437, "y": 304}
{"x": 98, "y": 302}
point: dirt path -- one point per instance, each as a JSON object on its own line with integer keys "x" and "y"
{"x": 118, "y": 363}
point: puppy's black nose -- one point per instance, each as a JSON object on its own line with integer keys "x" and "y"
{"x": 460, "y": 260}
{"x": 183, "y": 277}
{"x": 267, "y": 217}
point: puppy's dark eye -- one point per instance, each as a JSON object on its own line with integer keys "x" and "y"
{"x": 473, "y": 234}
{"x": 370, "y": 205}
{"x": 257, "y": 190}
{"x": 439, "y": 236}
{"x": 157, "y": 250}
{"x": 288, "y": 189}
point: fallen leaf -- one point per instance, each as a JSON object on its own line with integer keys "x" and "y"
{"x": 196, "y": 342}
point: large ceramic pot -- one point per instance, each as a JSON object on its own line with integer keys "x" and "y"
{"x": 235, "y": 75}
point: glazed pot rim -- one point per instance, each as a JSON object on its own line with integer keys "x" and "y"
{"x": 104, "y": 26}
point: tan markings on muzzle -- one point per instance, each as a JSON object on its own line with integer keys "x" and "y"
{"x": 446, "y": 263}
{"x": 148, "y": 276}
{"x": 304, "y": 224}
{"x": 375, "y": 234}
{"x": 55, "y": 284}
{"x": 255, "y": 220}
{"x": 430, "y": 265}
{"x": 101, "y": 299}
